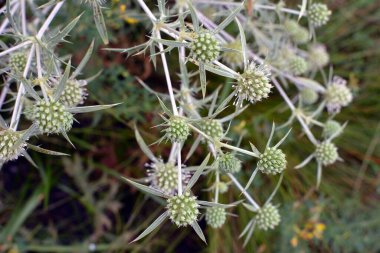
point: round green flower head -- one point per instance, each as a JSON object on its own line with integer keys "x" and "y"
{"x": 17, "y": 62}
{"x": 318, "y": 14}
{"x": 223, "y": 187}
{"x": 74, "y": 93}
{"x": 297, "y": 65}
{"x": 326, "y": 153}
{"x": 253, "y": 85}
{"x": 165, "y": 177}
{"x": 308, "y": 96}
{"x": 331, "y": 127}
{"x": 205, "y": 47}
{"x": 215, "y": 216}
{"x": 51, "y": 117}
{"x": 228, "y": 163}
{"x": 8, "y": 148}
{"x": 318, "y": 56}
{"x": 233, "y": 58}
{"x": 337, "y": 95}
{"x": 268, "y": 217}
{"x": 178, "y": 130}
{"x": 183, "y": 209}
{"x": 296, "y": 32}
{"x": 212, "y": 128}
{"x": 272, "y": 161}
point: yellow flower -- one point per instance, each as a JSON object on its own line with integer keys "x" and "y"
{"x": 129, "y": 20}
{"x": 294, "y": 241}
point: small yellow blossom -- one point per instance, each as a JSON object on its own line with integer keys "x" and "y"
{"x": 129, "y": 20}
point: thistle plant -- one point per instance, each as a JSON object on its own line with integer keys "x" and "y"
{"x": 274, "y": 68}
{"x": 266, "y": 62}
{"x": 47, "y": 89}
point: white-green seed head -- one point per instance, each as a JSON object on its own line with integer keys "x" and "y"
{"x": 183, "y": 209}
{"x": 331, "y": 127}
{"x": 205, "y": 47}
{"x": 10, "y": 145}
{"x": 318, "y": 14}
{"x": 212, "y": 128}
{"x": 215, "y": 217}
{"x": 17, "y": 62}
{"x": 268, "y": 217}
{"x": 178, "y": 130}
{"x": 74, "y": 93}
{"x": 253, "y": 85}
{"x": 228, "y": 163}
{"x": 296, "y": 32}
{"x": 234, "y": 58}
{"x": 326, "y": 153}
{"x": 223, "y": 187}
{"x": 165, "y": 177}
{"x": 272, "y": 161}
{"x": 337, "y": 95}
{"x": 297, "y": 65}
{"x": 28, "y": 109}
{"x": 51, "y": 117}
{"x": 308, "y": 96}
{"x": 318, "y": 56}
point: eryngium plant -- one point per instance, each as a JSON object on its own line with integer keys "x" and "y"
{"x": 48, "y": 91}
{"x": 260, "y": 62}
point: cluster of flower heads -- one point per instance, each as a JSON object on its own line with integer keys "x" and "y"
{"x": 48, "y": 91}
{"x": 290, "y": 55}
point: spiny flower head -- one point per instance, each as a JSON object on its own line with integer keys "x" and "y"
{"x": 228, "y": 163}
{"x": 205, "y": 47}
{"x": 178, "y": 130}
{"x": 297, "y": 65}
{"x": 164, "y": 177}
{"x": 215, "y": 216}
{"x": 318, "y": 14}
{"x": 268, "y": 217}
{"x": 223, "y": 187}
{"x": 272, "y": 161}
{"x": 308, "y": 96}
{"x": 233, "y": 58}
{"x": 183, "y": 209}
{"x": 297, "y": 33}
{"x": 74, "y": 93}
{"x": 8, "y": 148}
{"x": 318, "y": 56}
{"x": 337, "y": 95}
{"x": 253, "y": 85}
{"x": 212, "y": 128}
{"x": 51, "y": 117}
{"x": 326, "y": 153}
{"x": 17, "y": 62}
{"x": 331, "y": 127}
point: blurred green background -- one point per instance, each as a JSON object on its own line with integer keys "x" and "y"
{"x": 67, "y": 204}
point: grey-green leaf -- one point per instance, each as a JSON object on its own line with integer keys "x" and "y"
{"x": 197, "y": 174}
{"x": 100, "y": 23}
{"x": 229, "y": 19}
{"x": 243, "y": 41}
{"x": 153, "y": 226}
{"x": 65, "y": 31}
{"x": 45, "y": 151}
{"x": 144, "y": 147}
{"x": 199, "y": 231}
{"x": 92, "y": 108}
{"x": 62, "y": 83}
{"x": 84, "y": 61}
{"x": 146, "y": 189}
{"x": 202, "y": 72}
